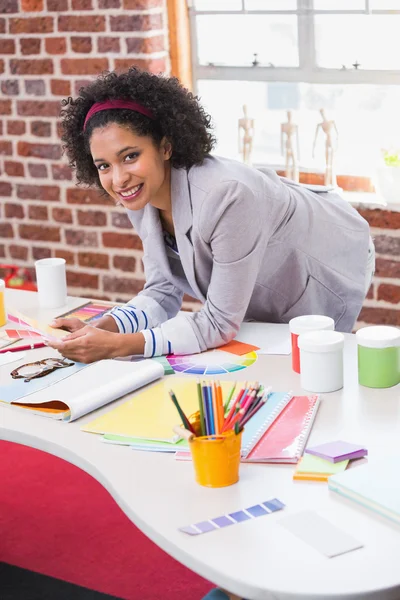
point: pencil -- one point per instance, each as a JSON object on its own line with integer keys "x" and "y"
{"x": 21, "y": 348}
{"x": 215, "y": 408}
{"x": 226, "y": 405}
{"x": 205, "y": 408}
{"x": 220, "y": 405}
{"x": 234, "y": 404}
{"x": 210, "y": 410}
{"x": 184, "y": 419}
{"x": 201, "y": 408}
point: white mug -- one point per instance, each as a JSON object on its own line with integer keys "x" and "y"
{"x": 52, "y": 282}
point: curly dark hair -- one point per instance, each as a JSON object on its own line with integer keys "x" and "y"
{"x": 178, "y": 116}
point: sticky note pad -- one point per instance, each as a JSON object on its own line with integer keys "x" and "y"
{"x": 317, "y": 469}
{"x": 337, "y": 451}
{"x": 320, "y": 533}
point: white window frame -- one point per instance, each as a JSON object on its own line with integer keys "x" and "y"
{"x": 308, "y": 71}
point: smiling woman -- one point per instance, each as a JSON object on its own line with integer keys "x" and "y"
{"x": 248, "y": 244}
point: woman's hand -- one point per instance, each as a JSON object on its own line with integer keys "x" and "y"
{"x": 70, "y": 325}
{"x": 88, "y": 344}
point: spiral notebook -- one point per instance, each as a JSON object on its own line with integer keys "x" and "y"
{"x": 263, "y": 419}
{"x": 285, "y": 440}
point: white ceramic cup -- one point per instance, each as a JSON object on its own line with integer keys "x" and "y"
{"x": 52, "y": 282}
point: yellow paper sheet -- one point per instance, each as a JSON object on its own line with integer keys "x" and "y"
{"x": 151, "y": 414}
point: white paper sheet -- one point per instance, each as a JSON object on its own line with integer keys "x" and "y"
{"x": 271, "y": 338}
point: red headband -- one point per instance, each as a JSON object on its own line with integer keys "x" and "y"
{"x": 107, "y": 104}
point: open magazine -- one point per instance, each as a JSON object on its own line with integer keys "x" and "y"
{"x": 69, "y": 393}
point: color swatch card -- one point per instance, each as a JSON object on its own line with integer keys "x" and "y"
{"x": 151, "y": 414}
{"x": 313, "y": 468}
{"x": 212, "y": 362}
{"x": 19, "y": 334}
{"x": 320, "y": 533}
{"x": 245, "y": 514}
{"x": 338, "y": 451}
{"x": 90, "y": 311}
{"x": 18, "y": 319}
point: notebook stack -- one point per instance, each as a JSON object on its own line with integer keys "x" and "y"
{"x": 277, "y": 432}
{"x": 374, "y": 486}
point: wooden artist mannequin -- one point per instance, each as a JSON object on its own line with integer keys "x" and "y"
{"x": 246, "y": 133}
{"x": 291, "y": 148}
{"x": 331, "y": 140}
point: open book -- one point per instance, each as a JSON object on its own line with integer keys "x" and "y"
{"x": 70, "y": 393}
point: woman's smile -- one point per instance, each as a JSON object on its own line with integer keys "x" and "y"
{"x": 131, "y": 193}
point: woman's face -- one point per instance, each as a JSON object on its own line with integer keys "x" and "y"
{"x": 131, "y": 168}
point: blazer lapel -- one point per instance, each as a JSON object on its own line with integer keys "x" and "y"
{"x": 182, "y": 215}
{"x": 155, "y": 239}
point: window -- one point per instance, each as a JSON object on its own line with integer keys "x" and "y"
{"x": 300, "y": 55}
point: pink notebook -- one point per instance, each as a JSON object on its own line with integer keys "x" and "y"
{"x": 285, "y": 440}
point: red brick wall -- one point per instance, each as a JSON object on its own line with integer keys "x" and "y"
{"x": 48, "y": 49}
{"x": 382, "y": 305}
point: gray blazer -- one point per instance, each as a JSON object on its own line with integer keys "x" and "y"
{"x": 252, "y": 246}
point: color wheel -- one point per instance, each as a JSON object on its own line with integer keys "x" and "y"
{"x": 214, "y": 362}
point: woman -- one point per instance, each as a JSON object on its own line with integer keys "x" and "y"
{"x": 248, "y": 244}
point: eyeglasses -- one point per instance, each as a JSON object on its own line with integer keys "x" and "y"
{"x": 40, "y": 368}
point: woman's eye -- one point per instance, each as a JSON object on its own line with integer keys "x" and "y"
{"x": 131, "y": 156}
{"x": 102, "y": 167}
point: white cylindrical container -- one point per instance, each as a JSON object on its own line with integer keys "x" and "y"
{"x": 321, "y": 359}
{"x": 299, "y": 325}
{"x": 51, "y": 281}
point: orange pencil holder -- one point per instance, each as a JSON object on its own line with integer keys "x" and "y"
{"x": 216, "y": 458}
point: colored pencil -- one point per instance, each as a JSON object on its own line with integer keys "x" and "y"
{"x": 205, "y": 408}
{"x": 215, "y": 408}
{"x": 210, "y": 410}
{"x": 256, "y": 407}
{"x": 21, "y": 348}
{"x": 234, "y": 404}
{"x": 185, "y": 421}
{"x": 220, "y": 404}
{"x": 201, "y": 408}
{"x": 226, "y": 405}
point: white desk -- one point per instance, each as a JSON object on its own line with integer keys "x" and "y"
{"x": 257, "y": 559}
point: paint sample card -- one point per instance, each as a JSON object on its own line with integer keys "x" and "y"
{"x": 239, "y": 516}
{"x": 18, "y": 334}
{"x": 320, "y": 533}
{"x": 90, "y": 311}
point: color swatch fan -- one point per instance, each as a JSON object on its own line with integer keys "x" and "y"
{"x": 214, "y": 362}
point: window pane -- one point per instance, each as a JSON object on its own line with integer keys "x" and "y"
{"x": 271, "y": 5}
{"x": 375, "y": 45}
{"x": 365, "y": 115}
{"x": 218, "y": 5}
{"x": 384, "y": 4}
{"x": 272, "y": 37}
{"x": 340, "y": 4}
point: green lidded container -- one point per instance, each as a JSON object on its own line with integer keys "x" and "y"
{"x": 378, "y": 356}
